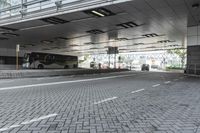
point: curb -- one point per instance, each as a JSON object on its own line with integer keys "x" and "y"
{"x": 192, "y": 75}
{"x": 47, "y": 73}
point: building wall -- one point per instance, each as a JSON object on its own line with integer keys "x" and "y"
{"x": 8, "y": 58}
{"x": 193, "y": 56}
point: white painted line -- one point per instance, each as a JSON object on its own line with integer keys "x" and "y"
{"x": 105, "y": 100}
{"x": 8, "y": 128}
{"x": 156, "y": 85}
{"x": 64, "y": 82}
{"x": 137, "y": 91}
{"x": 39, "y": 119}
{"x": 28, "y": 122}
{"x": 167, "y": 82}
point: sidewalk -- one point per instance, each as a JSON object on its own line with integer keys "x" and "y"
{"x": 5, "y": 74}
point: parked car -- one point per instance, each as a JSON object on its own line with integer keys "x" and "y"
{"x": 145, "y": 67}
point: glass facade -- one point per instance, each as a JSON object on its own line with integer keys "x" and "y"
{"x": 9, "y": 3}
{"x": 9, "y": 8}
{"x": 4, "y": 4}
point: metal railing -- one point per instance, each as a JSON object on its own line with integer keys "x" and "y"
{"x": 193, "y": 69}
{"x": 43, "y": 6}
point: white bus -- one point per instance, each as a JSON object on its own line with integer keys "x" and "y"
{"x": 36, "y": 60}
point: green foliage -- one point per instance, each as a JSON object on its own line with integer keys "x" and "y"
{"x": 85, "y": 58}
{"x": 181, "y": 53}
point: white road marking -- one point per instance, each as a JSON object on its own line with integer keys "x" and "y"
{"x": 8, "y": 128}
{"x": 167, "y": 82}
{"x": 137, "y": 91}
{"x": 156, "y": 85}
{"x": 39, "y": 119}
{"x": 105, "y": 100}
{"x": 28, "y": 122}
{"x": 45, "y": 78}
{"x": 64, "y": 82}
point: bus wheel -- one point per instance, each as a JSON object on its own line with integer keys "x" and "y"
{"x": 40, "y": 66}
{"x": 66, "y": 67}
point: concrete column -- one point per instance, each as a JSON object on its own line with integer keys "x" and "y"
{"x": 193, "y": 52}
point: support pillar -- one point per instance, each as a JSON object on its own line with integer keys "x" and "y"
{"x": 193, "y": 50}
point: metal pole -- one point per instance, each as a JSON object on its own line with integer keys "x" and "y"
{"x": 109, "y": 60}
{"x": 115, "y": 61}
{"x": 17, "y": 60}
{"x": 17, "y": 56}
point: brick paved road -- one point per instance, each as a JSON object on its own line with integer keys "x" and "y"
{"x": 120, "y": 103}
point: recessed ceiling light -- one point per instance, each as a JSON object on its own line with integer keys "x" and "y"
{"x": 150, "y": 35}
{"x": 54, "y": 20}
{"x": 165, "y": 41}
{"x": 61, "y": 38}
{"x": 138, "y": 44}
{"x": 99, "y": 12}
{"x": 121, "y": 39}
{"x": 127, "y": 25}
{"x": 95, "y": 31}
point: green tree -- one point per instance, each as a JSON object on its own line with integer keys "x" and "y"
{"x": 181, "y": 53}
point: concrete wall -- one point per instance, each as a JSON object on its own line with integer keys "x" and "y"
{"x": 193, "y": 56}
{"x": 9, "y": 53}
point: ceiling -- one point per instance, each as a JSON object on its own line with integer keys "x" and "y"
{"x": 156, "y": 25}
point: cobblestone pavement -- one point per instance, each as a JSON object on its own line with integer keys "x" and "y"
{"x": 108, "y": 103}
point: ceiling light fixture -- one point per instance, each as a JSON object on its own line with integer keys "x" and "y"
{"x": 150, "y": 35}
{"x": 127, "y": 25}
{"x": 99, "y": 12}
{"x": 165, "y": 41}
{"x": 95, "y": 31}
{"x": 54, "y": 20}
{"x": 121, "y": 39}
{"x": 61, "y": 38}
